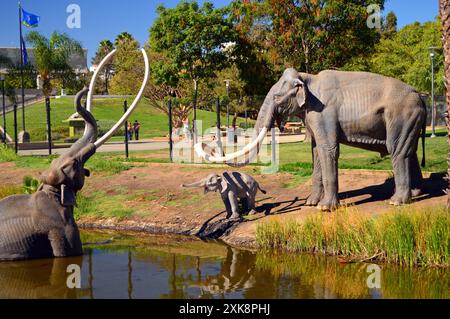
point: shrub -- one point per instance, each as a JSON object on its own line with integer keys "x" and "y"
{"x": 7, "y": 154}
{"x": 403, "y": 236}
{"x": 105, "y": 125}
{"x": 30, "y": 185}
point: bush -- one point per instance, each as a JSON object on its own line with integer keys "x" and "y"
{"x": 7, "y": 154}
{"x": 402, "y": 236}
{"x": 30, "y": 184}
{"x": 105, "y": 125}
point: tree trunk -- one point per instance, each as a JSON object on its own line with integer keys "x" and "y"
{"x": 444, "y": 8}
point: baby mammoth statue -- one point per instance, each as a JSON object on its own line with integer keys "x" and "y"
{"x": 234, "y": 187}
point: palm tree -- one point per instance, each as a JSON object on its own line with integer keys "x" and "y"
{"x": 52, "y": 62}
{"x": 104, "y": 48}
{"x": 444, "y": 8}
{"x": 52, "y": 56}
{"x": 124, "y": 36}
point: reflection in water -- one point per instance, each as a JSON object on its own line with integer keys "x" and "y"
{"x": 38, "y": 279}
{"x": 152, "y": 267}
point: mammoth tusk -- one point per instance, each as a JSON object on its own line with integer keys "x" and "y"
{"x": 229, "y": 157}
{"x": 122, "y": 120}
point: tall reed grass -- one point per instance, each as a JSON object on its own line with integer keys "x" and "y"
{"x": 404, "y": 236}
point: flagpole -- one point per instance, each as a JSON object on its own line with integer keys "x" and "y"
{"x": 21, "y": 67}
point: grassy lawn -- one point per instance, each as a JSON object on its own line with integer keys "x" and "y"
{"x": 154, "y": 123}
{"x": 297, "y": 157}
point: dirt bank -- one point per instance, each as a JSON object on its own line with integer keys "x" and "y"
{"x": 154, "y": 201}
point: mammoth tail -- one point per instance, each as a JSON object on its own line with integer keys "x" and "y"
{"x": 262, "y": 190}
{"x": 424, "y": 129}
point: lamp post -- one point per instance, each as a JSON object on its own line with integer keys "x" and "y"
{"x": 2, "y": 79}
{"x": 433, "y": 105}
{"x": 227, "y": 83}
{"x": 194, "y": 122}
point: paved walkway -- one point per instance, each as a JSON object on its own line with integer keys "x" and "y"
{"x": 146, "y": 145}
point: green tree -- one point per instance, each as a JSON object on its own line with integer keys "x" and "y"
{"x": 52, "y": 56}
{"x": 127, "y": 66}
{"x": 123, "y": 37}
{"x": 406, "y": 56}
{"x": 194, "y": 39}
{"x": 105, "y": 47}
{"x": 389, "y": 28}
{"x": 159, "y": 93}
{"x": 255, "y": 57}
{"x": 313, "y": 35}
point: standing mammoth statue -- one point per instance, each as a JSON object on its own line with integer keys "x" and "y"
{"x": 360, "y": 109}
{"x": 233, "y": 187}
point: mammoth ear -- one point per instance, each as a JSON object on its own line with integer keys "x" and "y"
{"x": 298, "y": 83}
{"x": 68, "y": 197}
{"x": 67, "y": 168}
{"x": 302, "y": 92}
{"x": 87, "y": 172}
{"x": 55, "y": 175}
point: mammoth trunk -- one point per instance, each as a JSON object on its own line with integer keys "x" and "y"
{"x": 83, "y": 148}
{"x": 264, "y": 123}
{"x": 250, "y": 151}
{"x": 196, "y": 184}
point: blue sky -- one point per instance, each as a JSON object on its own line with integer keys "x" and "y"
{"x": 104, "y": 19}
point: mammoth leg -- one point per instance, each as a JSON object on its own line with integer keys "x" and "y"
{"x": 251, "y": 204}
{"x": 317, "y": 185}
{"x": 328, "y": 156}
{"x": 57, "y": 241}
{"x": 402, "y": 178}
{"x": 226, "y": 201}
{"x": 402, "y": 137}
{"x": 74, "y": 240}
{"x": 234, "y": 205}
{"x": 416, "y": 176}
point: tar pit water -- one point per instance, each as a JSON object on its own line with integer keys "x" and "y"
{"x": 117, "y": 265}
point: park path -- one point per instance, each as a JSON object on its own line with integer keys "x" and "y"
{"x": 145, "y": 145}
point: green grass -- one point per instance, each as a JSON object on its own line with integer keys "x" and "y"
{"x": 9, "y": 190}
{"x": 7, "y": 154}
{"x": 101, "y": 162}
{"x": 298, "y": 155}
{"x": 102, "y": 205}
{"x": 105, "y": 163}
{"x": 154, "y": 123}
{"x": 403, "y": 236}
{"x": 29, "y": 186}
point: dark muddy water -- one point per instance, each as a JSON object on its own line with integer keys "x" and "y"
{"x": 179, "y": 267}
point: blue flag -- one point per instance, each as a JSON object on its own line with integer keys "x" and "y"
{"x": 24, "y": 52}
{"x": 29, "y": 19}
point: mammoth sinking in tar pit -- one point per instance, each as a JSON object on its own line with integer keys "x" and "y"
{"x": 235, "y": 188}
{"x": 42, "y": 225}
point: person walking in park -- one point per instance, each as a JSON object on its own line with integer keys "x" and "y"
{"x": 130, "y": 132}
{"x": 136, "y": 128}
{"x": 186, "y": 129}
